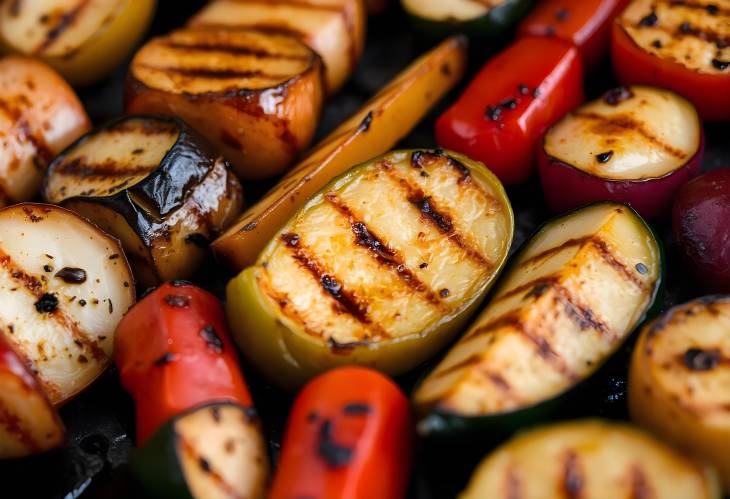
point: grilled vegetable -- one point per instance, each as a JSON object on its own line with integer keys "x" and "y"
{"x": 255, "y": 96}
{"x": 585, "y": 23}
{"x": 381, "y": 268}
{"x": 589, "y": 458}
{"x": 678, "y": 380}
{"x": 379, "y": 125}
{"x": 335, "y": 29}
{"x": 208, "y": 452}
{"x": 490, "y": 19}
{"x": 39, "y": 116}
{"x": 513, "y": 99}
{"x": 635, "y": 145}
{"x": 84, "y": 40}
{"x": 173, "y": 352}
{"x": 680, "y": 45}
{"x": 571, "y": 297}
{"x": 155, "y": 184}
{"x": 699, "y": 221}
{"x": 64, "y": 285}
{"x": 28, "y": 422}
{"x": 348, "y": 437}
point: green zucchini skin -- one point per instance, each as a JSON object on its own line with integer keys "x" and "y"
{"x": 441, "y": 427}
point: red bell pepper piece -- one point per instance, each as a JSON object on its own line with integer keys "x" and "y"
{"x": 511, "y": 102}
{"x": 585, "y": 23}
{"x": 348, "y": 437}
{"x": 174, "y": 352}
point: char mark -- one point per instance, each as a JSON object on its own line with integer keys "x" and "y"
{"x": 257, "y": 53}
{"x": 78, "y": 167}
{"x": 62, "y": 23}
{"x": 215, "y": 73}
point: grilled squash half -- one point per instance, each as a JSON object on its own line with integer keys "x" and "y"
{"x": 335, "y": 29}
{"x": 569, "y": 300}
{"x": 679, "y": 382}
{"x": 590, "y": 458}
{"x": 381, "y": 268}
{"x": 255, "y": 96}
{"x": 156, "y": 185}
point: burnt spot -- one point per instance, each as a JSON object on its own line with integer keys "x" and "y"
{"x": 426, "y": 207}
{"x": 211, "y": 338}
{"x": 444, "y": 293}
{"x": 523, "y": 89}
{"x": 215, "y": 412}
{"x": 336, "y": 456}
{"x": 657, "y": 44}
{"x": 114, "y": 256}
{"x": 508, "y": 104}
{"x": 82, "y": 302}
{"x": 111, "y": 306}
{"x": 539, "y": 289}
{"x": 312, "y": 417}
{"x": 62, "y": 23}
{"x": 47, "y": 268}
{"x": 649, "y": 20}
{"x": 364, "y": 125}
{"x": 446, "y": 69}
{"x": 198, "y": 239}
{"x": 685, "y": 28}
{"x": 204, "y": 464}
{"x": 573, "y": 479}
{"x": 177, "y": 301}
{"x": 32, "y": 216}
{"x": 228, "y": 139}
{"x": 712, "y": 9}
{"x": 641, "y": 268}
{"x": 137, "y": 151}
{"x": 493, "y": 113}
{"x": 363, "y": 237}
{"x": 697, "y": 359}
{"x": 82, "y": 359}
{"x": 249, "y": 226}
{"x": 721, "y": 65}
{"x": 357, "y": 409}
{"x": 72, "y": 275}
{"x": 423, "y": 265}
{"x": 562, "y": 14}
{"x": 617, "y": 95}
{"x": 164, "y": 359}
{"x": 47, "y": 303}
{"x": 604, "y": 157}
{"x": 290, "y": 239}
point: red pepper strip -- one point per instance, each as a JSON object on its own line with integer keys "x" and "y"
{"x": 174, "y": 352}
{"x": 511, "y": 102}
{"x": 348, "y": 437}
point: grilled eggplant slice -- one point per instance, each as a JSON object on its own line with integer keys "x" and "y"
{"x": 374, "y": 129}
{"x": 679, "y": 378}
{"x": 214, "y": 451}
{"x": 29, "y": 423}
{"x": 156, "y": 185}
{"x": 381, "y": 268}
{"x": 255, "y": 96}
{"x": 39, "y": 116}
{"x": 590, "y": 458}
{"x": 64, "y": 285}
{"x": 84, "y": 40}
{"x": 571, "y": 297}
{"x": 335, "y": 29}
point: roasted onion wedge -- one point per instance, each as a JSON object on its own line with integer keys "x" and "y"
{"x": 84, "y": 40}
{"x": 255, "y": 96}
{"x": 634, "y": 145}
{"x": 569, "y": 300}
{"x": 590, "y": 458}
{"x": 679, "y": 378}
{"x": 29, "y": 423}
{"x": 156, "y": 185}
{"x": 64, "y": 285}
{"x": 39, "y": 116}
{"x": 335, "y": 29}
{"x": 381, "y": 268}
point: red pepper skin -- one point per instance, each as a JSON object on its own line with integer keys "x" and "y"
{"x": 710, "y": 93}
{"x": 507, "y": 144}
{"x": 174, "y": 352}
{"x": 585, "y": 23}
{"x": 348, "y": 437}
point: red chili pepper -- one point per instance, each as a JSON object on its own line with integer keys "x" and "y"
{"x": 348, "y": 437}
{"x": 174, "y": 352}
{"x": 585, "y": 23}
{"x": 513, "y": 99}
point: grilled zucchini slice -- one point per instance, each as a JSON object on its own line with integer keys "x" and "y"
{"x": 64, "y": 286}
{"x": 679, "y": 379}
{"x": 590, "y": 458}
{"x": 569, "y": 300}
{"x": 255, "y": 96}
{"x": 335, "y": 29}
{"x": 381, "y": 268}
{"x": 211, "y": 452}
{"x": 156, "y": 185}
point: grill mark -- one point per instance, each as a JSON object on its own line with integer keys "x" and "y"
{"x": 214, "y": 73}
{"x": 296, "y": 3}
{"x": 691, "y": 5}
{"x": 63, "y": 22}
{"x": 236, "y": 50}
{"x": 470, "y": 360}
{"x": 25, "y": 133}
{"x": 282, "y": 300}
{"x": 509, "y": 319}
{"x": 527, "y": 288}
{"x": 640, "y": 486}
{"x": 12, "y": 423}
{"x": 419, "y": 159}
{"x": 580, "y": 314}
{"x": 573, "y": 479}
{"x": 617, "y": 265}
{"x": 555, "y": 249}
{"x": 192, "y": 452}
{"x": 78, "y": 168}
{"x": 545, "y": 350}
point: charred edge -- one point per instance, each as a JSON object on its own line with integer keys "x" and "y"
{"x": 187, "y": 447}
{"x": 13, "y": 424}
{"x": 213, "y": 73}
{"x": 78, "y": 167}
{"x": 421, "y": 159}
{"x": 335, "y": 455}
{"x": 357, "y": 409}
{"x": 257, "y": 53}
{"x": 556, "y": 249}
{"x": 364, "y": 125}
{"x": 211, "y": 338}
{"x": 616, "y": 264}
{"x": 581, "y": 315}
{"x": 64, "y": 22}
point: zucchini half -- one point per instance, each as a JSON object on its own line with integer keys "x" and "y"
{"x": 679, "y": 382}
{"x": 156, "y": 185}
{"x": 569, "y": 300}
{"x": 490, "y": 19}
{"x": 381, "y": 268}
{"x": 210, "y": 452}
{"x": 590, "y": 458}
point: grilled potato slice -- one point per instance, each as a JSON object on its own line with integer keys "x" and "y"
{"x": 569, "y": 300}
{"x": 335, "y": 29}
{"x": 156, "y": 185}
{"x": 39, "y": 116}
{"x": 590, "y": 458}
{"x": 374, "y": 129}
{"x": 679, "y": 379}
{"x": 64, "y": 285}
{"x": 255, "y": 96}
{"x": 29, "y": 423}
{"x": 381, "y": 268}
{"x": 84, "y": 40}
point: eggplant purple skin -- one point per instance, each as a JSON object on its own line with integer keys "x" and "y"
{"x": 700, "y": 216}
{"x": 566, "y": 187}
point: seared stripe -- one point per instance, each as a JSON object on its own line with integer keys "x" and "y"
{"x": 580, "y": 314}
{"x": 78, "y": 168}
{"x": 473, "y": 359}
{"x": 617, "y": 265}
{"x": 284, "y": 303}
{"x": 24, "y": 132}
{"x": 545, "y": 350}
{"x": 215, "y": 73}
{"x": 555, "y": 249}
{"x": 235, "y": 50}
{"x": 62, "y": 23}
{"x": 533, "y": 288}
{"x": 192, "y": 452}
{"x": 421, "y": 159}
{"x": 511, "y": 318}
{"x": 573, "y": 479}
{"x": 297, "y": 3}
{"x": 13, "y": 425}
